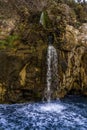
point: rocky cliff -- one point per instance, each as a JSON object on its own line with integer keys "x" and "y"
{"x": 23, "y": 50}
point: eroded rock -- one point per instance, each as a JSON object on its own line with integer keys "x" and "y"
{"x": 23, "y": 67}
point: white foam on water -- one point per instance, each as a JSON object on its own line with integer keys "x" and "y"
{"x": 50, "y": 107}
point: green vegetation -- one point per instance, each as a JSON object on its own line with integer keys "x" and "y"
{"x": 44, "y": 19}
{"x": 8, "y": 42}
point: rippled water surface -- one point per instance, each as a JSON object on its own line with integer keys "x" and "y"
{"x": 67, "y": 114}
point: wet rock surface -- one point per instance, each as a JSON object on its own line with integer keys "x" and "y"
{"x": 23, "y": 50}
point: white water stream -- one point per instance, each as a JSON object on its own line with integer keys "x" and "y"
{"x": 52, "y": 71}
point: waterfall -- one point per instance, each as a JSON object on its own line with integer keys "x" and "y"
{"x": 42, "y": 19}
{"x": 52, "y": 71}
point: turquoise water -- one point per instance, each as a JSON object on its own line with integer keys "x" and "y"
{"x": 69, "y": 113}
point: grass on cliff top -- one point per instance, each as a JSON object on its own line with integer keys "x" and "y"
{"x": 9, "y": 41}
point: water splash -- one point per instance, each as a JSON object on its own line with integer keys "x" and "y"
{"x": 52, "y": 107}
{"x": 52, "y": 71}
{"x": 68, "y": 114}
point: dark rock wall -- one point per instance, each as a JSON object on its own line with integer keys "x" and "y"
{"x": 23, "y": 63}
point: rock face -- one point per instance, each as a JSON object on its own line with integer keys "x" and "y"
{"x": 74, "y": 78}
{"x": 23, "y": 50}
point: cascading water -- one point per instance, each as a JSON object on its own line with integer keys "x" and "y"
{"x": 52, "y": 71}
{"x": 52, "y": 63}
